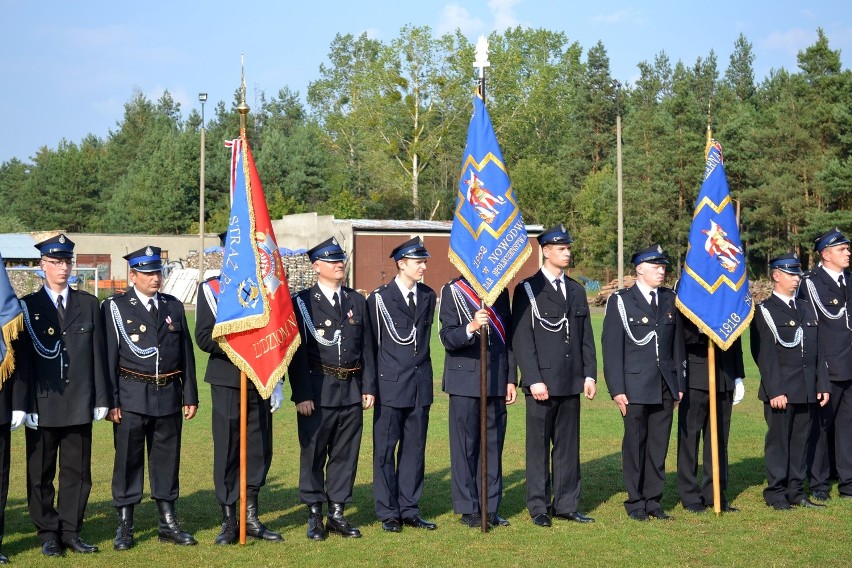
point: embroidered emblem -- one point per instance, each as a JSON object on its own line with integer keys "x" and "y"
{"x": 321, "y": 332}
{"x": 134, "y": 338}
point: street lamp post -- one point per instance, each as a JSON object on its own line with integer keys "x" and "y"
{"x": 202, "y": 97}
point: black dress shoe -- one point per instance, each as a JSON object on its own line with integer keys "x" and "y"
{"x": 726, "y": 508}
{"x": 336, "y": 522}
{"x": 77, "y": 545}
{"x": 575, "y": 516}
{"x": 542, "y": 520}
{"x": 696, "y": 508}
{"x": 51, "y": 548}
{"x": 3, "y": 558}
{"x": 415, "y": 521}
{"x": 638, "y": 515}
{"x": 392, "y": 525}
{"x": 780, "y": 506}
{"x": 316, "y": 528}
{"x": 496, "y": 520}
{"x": 845, "y": 496}
{"x": 821, "y": 495}
{"x": 660, "y": 514}
{"x": 808, "y": 504}
{"x": 472, "y": 520}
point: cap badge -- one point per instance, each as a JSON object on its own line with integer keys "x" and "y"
{"x": 149, "y": 252}
{"x": 62, "y": 239}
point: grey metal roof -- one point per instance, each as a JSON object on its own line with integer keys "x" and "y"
{"x": 18, "y": 246}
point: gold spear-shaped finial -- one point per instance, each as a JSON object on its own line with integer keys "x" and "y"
{"x": 709, "y": 131}
{"x": 243, "y": 108}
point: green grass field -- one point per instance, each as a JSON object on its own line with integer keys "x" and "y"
{"x": 757, "y": 536}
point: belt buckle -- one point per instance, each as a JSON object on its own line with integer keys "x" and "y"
{"x": 161, "y": 381}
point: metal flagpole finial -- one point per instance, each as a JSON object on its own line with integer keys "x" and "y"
{"x": 709, "y": 130}
{"x": 481, "y": 60}
{"x": 243, "y": 108}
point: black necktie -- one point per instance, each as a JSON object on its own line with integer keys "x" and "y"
{"x": 60, "y": 307}
{"x": 152, "y": 308}
{"x": 654, "y": 302}
{"x": 411, "y": 305}
{"x": 842, "y": 284}
{"x": 335, "y": 301}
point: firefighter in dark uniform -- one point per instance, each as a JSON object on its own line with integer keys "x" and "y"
{"x": 224, "y": 379}
{"x": 793, "y": 382}
{"x": 827, "y": 288}
{"x": 151, "y": 363}
{"x": 555, "y": 350}
{"x": 61, "y": 358}
{"x": 462, "y": 319}
{"x": 13, "y": 395}
{"x": 399, "y": 374}
{"x": 693, "y": 418}
{"x": 326, "y": 378}
{"x": 14, "y": 401}
{"x": 644, "y": 366}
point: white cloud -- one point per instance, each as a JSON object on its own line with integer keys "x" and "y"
{"x": 503, "y": 13}
{"x": 630, "y": 16}
{"x": 455, "y": 17}
{"x": 790, "y": 41}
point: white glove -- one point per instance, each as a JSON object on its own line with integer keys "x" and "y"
{"x": 739, "y": 391}
{"x": 17, "y": 419}
{"x": 99, "y": 413}
{"x": 277, "y": 397}
{"x": 31, "y": 421}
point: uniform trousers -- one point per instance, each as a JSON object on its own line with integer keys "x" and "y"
{"x": 831, "y": 437}
{"x": 73, "y": 447}
{"x": 226, "y": 442}
{"x": 693, "y": 421}
{"x": 465, "y": 462}
{"x": 785, "y": 450}
{"x": 399, "y": 460}
{"x": 161, "y": 435}
{"x": 553, "y": 433}
{"x": 647, "y": 428}
{"x": 330, "y": 439}
{"x": 5, "y": 457}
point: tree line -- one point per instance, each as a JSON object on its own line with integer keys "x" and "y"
{"x": 383, "y": 128}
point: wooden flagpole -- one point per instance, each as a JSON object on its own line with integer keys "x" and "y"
{"x": 243, "y": 109}
{"x": 714, "y": 426}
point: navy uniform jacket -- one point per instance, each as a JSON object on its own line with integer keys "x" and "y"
{"x": 559, "y": 360}
{"x": 170, "y": 333}
{"x": 835, "y": 336}
{"x": 307, "y": 379}
{"x": 220, "y": 370}
{"x": 461, "y": 364}
{"x": 633, "y": 369}
{"x": 798, "y": 372}
{"x": 64, "y": 390}
{"x": 729, "y": 364}
{"x": 400, "y": 376}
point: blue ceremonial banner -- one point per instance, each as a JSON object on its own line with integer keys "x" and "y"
{"x": 11, "y": 321}
{"x": 488, "y": 241}
{"x": 713, "y": 289}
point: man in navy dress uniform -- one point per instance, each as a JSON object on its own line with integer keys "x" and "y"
{"x": 462, "y": 318}
{"x": 61, "y": 358}
{"x": 328, "y": 390}
{"x": 151, "y": 364}
{"x": 827, "y": 288}
{"x": 13, "y": 401}
{"x": 793, "y": 382}
{"x": 398, "y": 371}
{"x": 693, "y": 418}
{"x": 555, "y": 350}
{"x": 644, "y": 366}
{"x": 224, "y": 379}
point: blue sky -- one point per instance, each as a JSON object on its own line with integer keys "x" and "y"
{"x": 68, "y": 67}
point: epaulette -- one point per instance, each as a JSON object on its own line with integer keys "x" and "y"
{"x": 379, "y": 289}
